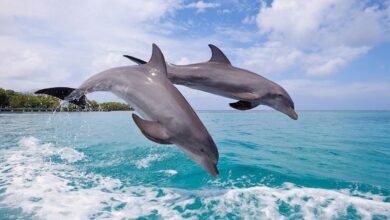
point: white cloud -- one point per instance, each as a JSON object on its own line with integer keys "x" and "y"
{"x": 60, "y": 43}
{"x": 334, "y": 90}
{"x": 318, "y": 36}
{"x": 237, "y": 34}
{"x": 329, "y": 60}
{"x": 324, "y": 23}
{"x": 18, "y": 8}
{"x": 226, "y": 11}
{"x": 332, "y": 95}
{"x": 50, "y": 43}
{"x": 23, "y": 61}
{"x": 250, "y": 19}
{"x": 201, "y": 6}
{"x": 183, "y": 61}
{"x": 269, "y": 57}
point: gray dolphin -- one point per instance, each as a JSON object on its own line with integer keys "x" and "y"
{"x": 167, "y": 116}
{"x": 219, "y": 77}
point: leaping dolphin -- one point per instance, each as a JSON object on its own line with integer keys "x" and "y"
{"x": 167, "y": 118}
{"x": 220, "y": 77}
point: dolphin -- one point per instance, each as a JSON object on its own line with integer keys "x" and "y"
{"x": 218, "y": 76}
{"x": 166, "y": 116}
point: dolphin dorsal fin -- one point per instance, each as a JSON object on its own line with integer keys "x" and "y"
{"x": 217, "y": 55}
{"x": 157, "y": 60}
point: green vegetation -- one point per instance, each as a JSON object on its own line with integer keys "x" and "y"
{"x": 108, "y": 106}
{"x": 12, "y": 99}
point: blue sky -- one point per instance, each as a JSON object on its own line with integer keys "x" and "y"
{"x": 328, "y": 54}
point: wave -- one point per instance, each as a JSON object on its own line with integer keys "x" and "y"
{"x": 145, "y": 162}
{"x": 40, "y": 187}
{"x": 169, "y": 172}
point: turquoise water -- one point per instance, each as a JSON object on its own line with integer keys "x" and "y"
{"x": 326, "y": 165}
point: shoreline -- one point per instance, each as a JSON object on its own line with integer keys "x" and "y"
{"x": 35, "y": 110}
{"x": 38, "y": 110}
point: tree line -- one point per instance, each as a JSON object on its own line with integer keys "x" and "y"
{"x": 12, "y": 99}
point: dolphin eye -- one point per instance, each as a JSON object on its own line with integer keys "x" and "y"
{"x": 275, "y": 96}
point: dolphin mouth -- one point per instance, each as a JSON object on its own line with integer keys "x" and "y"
{"x": 292, "y": 114}
{"x": 210, "y": 167}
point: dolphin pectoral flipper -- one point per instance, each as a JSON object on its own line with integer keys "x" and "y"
{"x": 152, "y": 130}
{"x": 135, "y": 59}
{"x": 243, "y": 105}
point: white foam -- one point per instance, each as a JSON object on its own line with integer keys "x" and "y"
{"x": 313, "y": 203}
{"x": 70, "y": 155}
{"x": 145, "y": 162}
{"x": 169, "y": 172}
{"x": 50, "y": 190}
{"x": 33, "y": 148}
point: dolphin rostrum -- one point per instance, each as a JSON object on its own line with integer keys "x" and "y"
{"x": 219, "y": 77}
{"x": 167, "y": 118}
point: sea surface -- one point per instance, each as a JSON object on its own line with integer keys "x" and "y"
{"x": 326, "y": 165}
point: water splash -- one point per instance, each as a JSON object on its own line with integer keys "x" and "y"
{"x": 145, "y": 162}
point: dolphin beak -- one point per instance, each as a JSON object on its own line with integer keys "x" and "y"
{"x": 214, "y": 171}
{"x": 292, "y": 114}
{"x": 210, "y": 167}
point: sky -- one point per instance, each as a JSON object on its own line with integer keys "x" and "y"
{"x": 328, "y": 54}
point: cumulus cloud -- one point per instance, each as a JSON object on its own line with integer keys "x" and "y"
{"x": 324, "y": 23}
{"x": 319, "y": 36}
{"x": 50, "y": 42}
{"x": 331, "y": 95}
{"x": 22, "y": 61}
{"x": 60, "y": 43}
{"x": 237, "y": 34}
{"x": 334, "y": 90}
{"x": 270, "y": 57}
{"x": 249, "y": 19}
{"x": 201, "y": 6}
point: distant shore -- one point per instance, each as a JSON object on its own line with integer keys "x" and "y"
{"x": 11, "y": 101}
{"x": 22, "y": 110}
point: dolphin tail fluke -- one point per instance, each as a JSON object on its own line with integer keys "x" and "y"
{"x": 152, "y": 130}
{"x": 62, "y": 93}
{"x": 243, "y": 105}
{"x": 135, "y": 59}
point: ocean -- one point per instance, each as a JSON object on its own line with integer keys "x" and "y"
{"x": 98, "y": 165}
